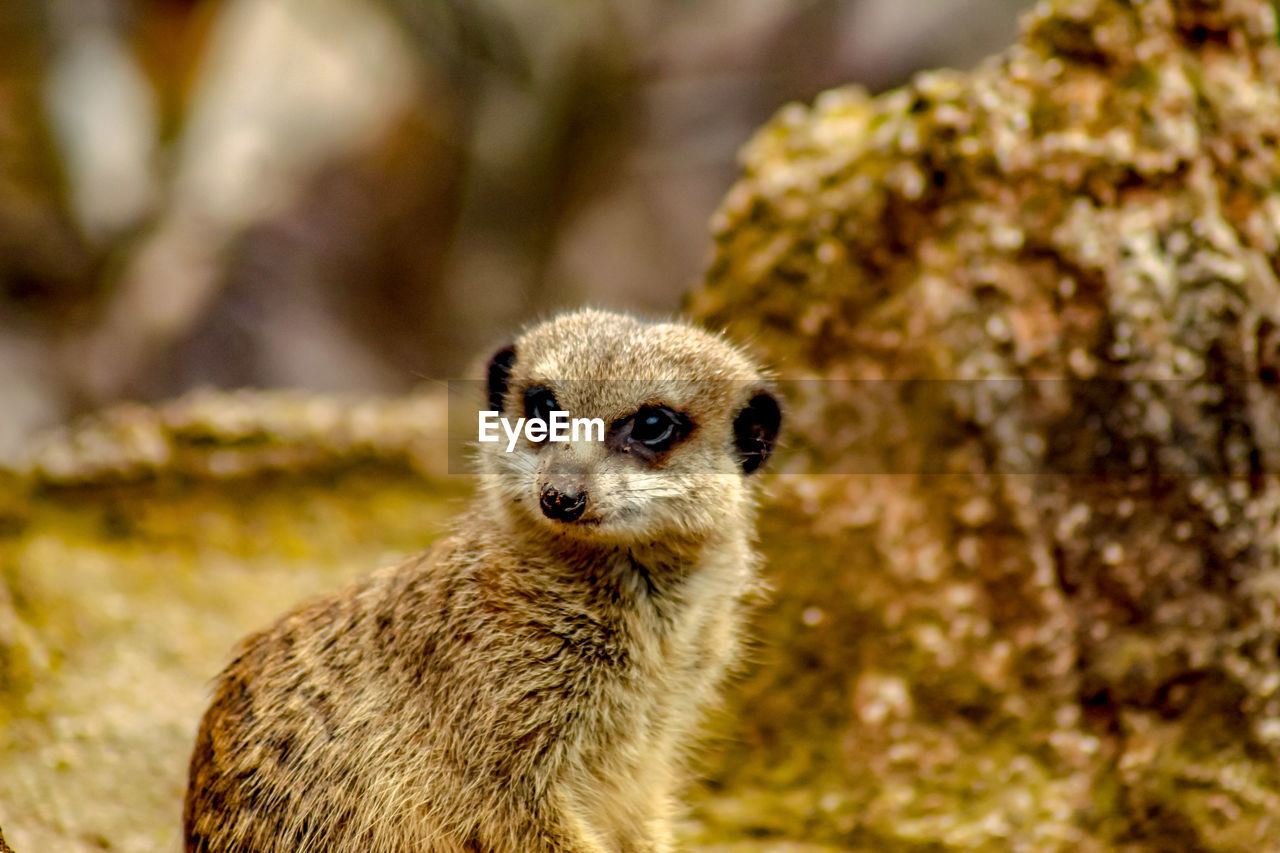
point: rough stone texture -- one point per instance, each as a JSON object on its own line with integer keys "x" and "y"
{"x": 138, "y": 546}
{"x": 222, "y": 436}
{"x": 1039, "y": 609}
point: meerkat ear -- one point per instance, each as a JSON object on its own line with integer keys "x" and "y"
{"x": 499, "y": 374}
{"x": 755, "y": 430}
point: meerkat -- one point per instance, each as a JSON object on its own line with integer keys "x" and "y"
{"x": 529, "y": 684}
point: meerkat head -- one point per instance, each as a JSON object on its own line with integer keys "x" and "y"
{"x": 674, "y": 422}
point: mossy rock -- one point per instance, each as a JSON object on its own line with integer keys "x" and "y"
{"x": 135, "y": 550}
{"x": 1026, "y": 543}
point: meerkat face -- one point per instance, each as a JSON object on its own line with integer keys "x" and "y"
{"x": 680, "y": 419}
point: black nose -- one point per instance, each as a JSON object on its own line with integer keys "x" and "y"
{"x": 563, "y": 506}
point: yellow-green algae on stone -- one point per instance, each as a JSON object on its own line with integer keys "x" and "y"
{"x": 136, "y": 548}
{"x": 1026, "y": 546}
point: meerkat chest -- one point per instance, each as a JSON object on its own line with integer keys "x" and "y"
{"x": 699, "y": 632}
{"x": 682, "y": 639}
{"x": 679, "y": 648}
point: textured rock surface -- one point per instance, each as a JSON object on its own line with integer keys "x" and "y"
{"x": 140, "y": 546}
{"x": 1040, "y": 608}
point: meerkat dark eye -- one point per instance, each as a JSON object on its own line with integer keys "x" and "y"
{"x": 649, "y": 433}
{"x": 540, "y": 402}
{"x": 655, "y": 427}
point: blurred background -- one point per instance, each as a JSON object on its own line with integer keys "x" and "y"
{"x": 363, "y": 194}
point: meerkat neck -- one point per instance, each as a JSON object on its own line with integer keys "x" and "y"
{"x": 651, "y": 568}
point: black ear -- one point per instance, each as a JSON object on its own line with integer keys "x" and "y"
{"x": 755, "y": 430}
{"x": 499, "y": 374}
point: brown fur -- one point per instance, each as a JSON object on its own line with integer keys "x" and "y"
{"x": 527, "y": 685}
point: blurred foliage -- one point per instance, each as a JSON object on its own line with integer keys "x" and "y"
{"x": 351, "y": 194}
{"x": 44, "y": 264}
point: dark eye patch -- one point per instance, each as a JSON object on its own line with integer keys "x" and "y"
{"x": 755, "y": 430}
{"x": 499, "y": 375}
{"x": 649, "y": 432}
{"x": 540, "y": 402}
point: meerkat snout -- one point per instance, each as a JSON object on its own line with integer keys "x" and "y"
{"x": 563, "y": 505}
{"x": 564, "y": 486}
{"x": 530, "y": 684}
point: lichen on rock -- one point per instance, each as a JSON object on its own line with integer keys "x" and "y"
{"x": 137, "y": 546}
{"x": 1030, "y": 316}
